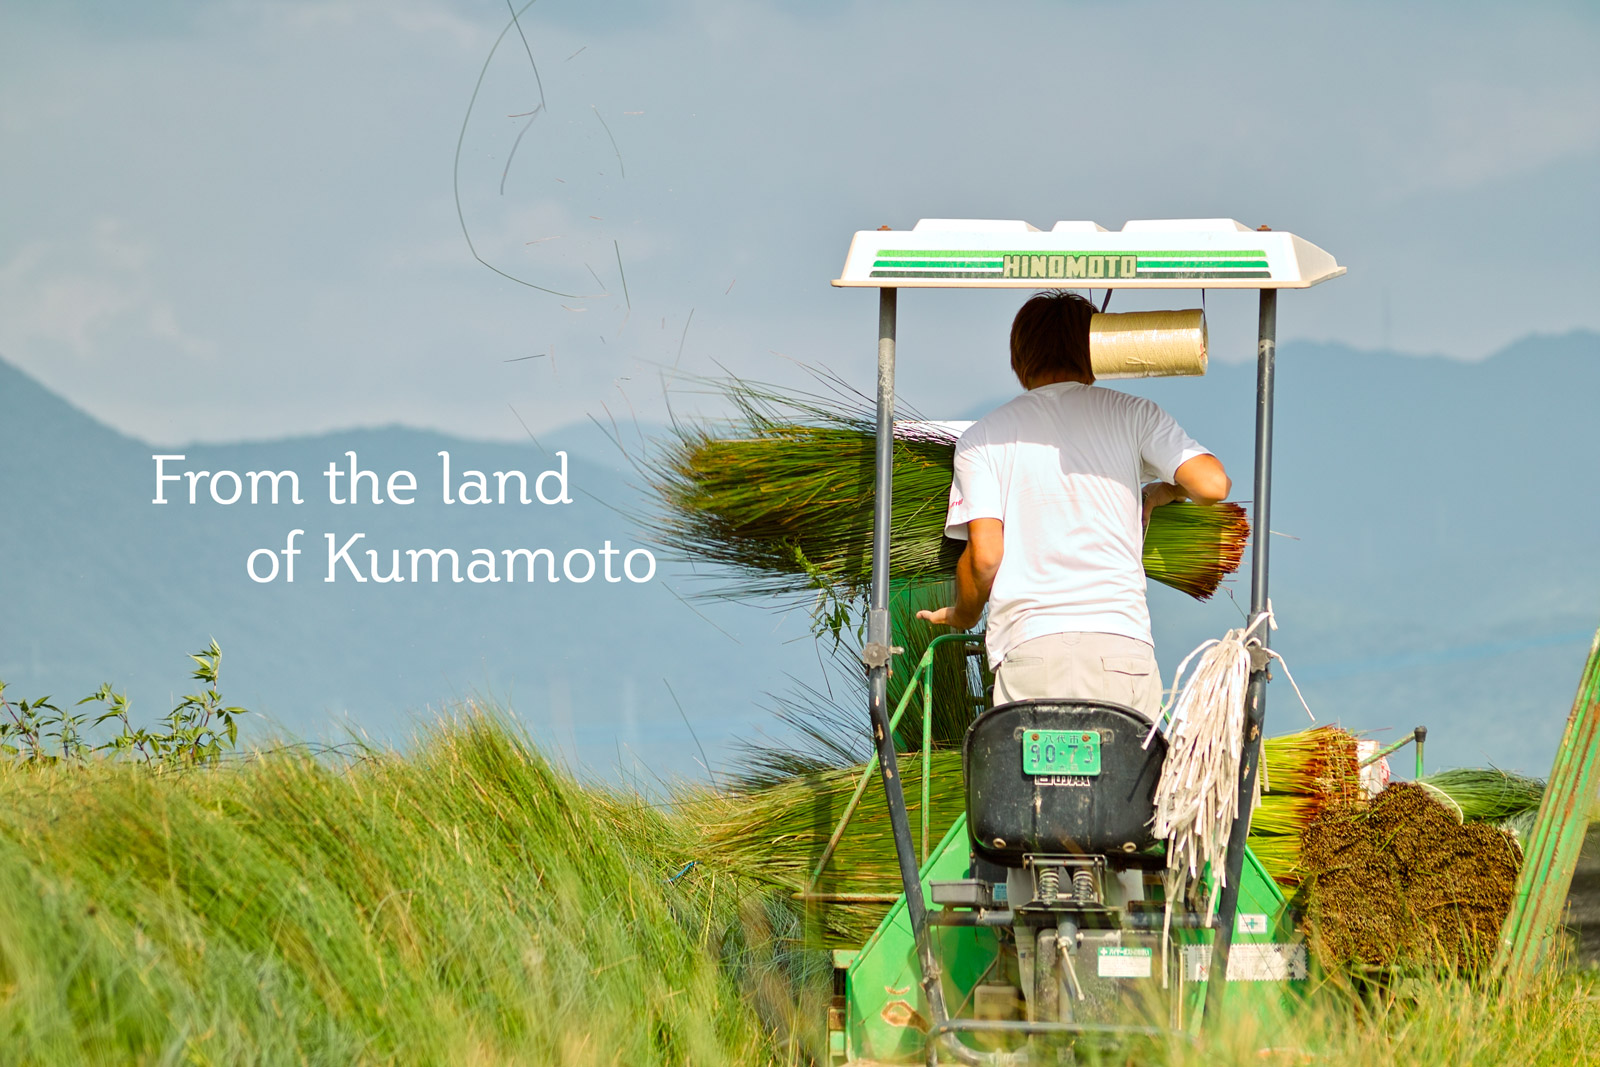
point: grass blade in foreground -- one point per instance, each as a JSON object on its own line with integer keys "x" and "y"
{"x": 467, "y": 903}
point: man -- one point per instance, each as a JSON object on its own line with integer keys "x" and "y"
{"x": 1047, "y": 496}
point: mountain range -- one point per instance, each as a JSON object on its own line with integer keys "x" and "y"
{"x": 1438, "y": 563}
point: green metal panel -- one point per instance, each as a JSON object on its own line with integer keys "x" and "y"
{"x": 975, "y": 253}
{"x": 1268, "y": 964}
{"x": 887, "y": 1018}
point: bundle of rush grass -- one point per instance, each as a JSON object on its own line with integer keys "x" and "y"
{"x": 1279, "y": 856}
{"x": 785, "y": 493}
{"x": 1320, "y": 761}
{"x": 791, "y": 505}
{"x": 1403, "y": 883}
{"x": 1484, "y": 794}
{"x": 1308, "y": 774}
{"x": 777, "y": 834}
{"x": 1284, "y": 814}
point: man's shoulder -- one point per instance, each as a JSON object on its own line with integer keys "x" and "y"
{"x": 986, "y": 429}
{"x": 1138, "y": 410}
{"x": 1100, "y": 394}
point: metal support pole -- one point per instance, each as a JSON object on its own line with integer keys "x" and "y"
{"x": 1256, "y": 696}
{"x": 877, "y": 656}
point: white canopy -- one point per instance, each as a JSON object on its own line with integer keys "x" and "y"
{"x": 1144, "y": 254}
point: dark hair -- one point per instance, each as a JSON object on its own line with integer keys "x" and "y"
{"x": 1050, "y": 335}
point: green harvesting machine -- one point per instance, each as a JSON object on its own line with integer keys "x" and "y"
{"x": 1038, "y": 921}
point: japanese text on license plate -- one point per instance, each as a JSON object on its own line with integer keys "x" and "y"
{"x": 1073, "y": 752}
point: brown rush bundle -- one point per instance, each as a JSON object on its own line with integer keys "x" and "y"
{"x": 1317, "y": 762}
{"x": 785, "y": 495}
{"x": 1403, "y": 881}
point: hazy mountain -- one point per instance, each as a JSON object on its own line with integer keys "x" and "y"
{"x": 101, "y": 584}
{"x": 1441, "y": 567}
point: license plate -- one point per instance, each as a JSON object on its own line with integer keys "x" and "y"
{"x": 1074, "y": 752}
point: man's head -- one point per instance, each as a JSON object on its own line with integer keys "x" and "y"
{"x": 1050, "y": 340}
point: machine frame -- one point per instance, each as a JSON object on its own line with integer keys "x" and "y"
{"x": 1008, "y": 254}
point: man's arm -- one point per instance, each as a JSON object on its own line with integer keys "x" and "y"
{"x": 975, "y": 571}
{"x": 1200, "y": 478}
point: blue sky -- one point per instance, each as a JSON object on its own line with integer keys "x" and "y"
{"x": 233, "y": 220}
{"x": 236, "y": 220}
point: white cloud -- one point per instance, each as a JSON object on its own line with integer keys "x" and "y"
{"x": 87, "y": 296}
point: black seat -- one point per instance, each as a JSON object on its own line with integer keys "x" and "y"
{"x": 1104, "y": 811}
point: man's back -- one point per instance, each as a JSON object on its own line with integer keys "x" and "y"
{"x": 1047, "y": 496}
{"x": 1061, "y": 466}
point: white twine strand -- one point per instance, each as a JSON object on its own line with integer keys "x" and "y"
{"x": 1197, "y": 799}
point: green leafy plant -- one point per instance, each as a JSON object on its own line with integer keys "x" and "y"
{"x": 198, "y": 731}
{"x": 23, "y": 735}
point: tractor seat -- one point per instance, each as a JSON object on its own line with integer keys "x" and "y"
{"x": 1060, "y": 777}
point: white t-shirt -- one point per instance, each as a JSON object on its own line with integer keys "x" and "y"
{"x": 1061, "y": 467}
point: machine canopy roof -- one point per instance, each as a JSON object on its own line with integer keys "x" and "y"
{"x": 1144, "y": 254}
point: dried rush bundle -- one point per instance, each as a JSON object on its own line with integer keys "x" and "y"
{"x": 790, "y": 504}
{"x": 1401, "y": 881}
{"x": 1314, "y": 762}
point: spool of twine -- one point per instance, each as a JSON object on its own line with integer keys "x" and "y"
{"x": 1148, "y": 344}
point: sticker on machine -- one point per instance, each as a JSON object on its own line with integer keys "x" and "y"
{"x": 1114, "y": 962}
{"x": 1273, "y": 962}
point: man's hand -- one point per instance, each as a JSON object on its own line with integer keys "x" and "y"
{"x": 1158, "y": 493}
{"x": 939, "y": 617}
{"x": 975, "y": 571}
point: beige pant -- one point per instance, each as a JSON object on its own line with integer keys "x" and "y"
{"x": 1085, "y": 665}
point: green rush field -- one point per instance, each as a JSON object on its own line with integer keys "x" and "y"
{"x": 469, "y": 902}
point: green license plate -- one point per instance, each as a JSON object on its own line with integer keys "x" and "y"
{"x": 1075, "y": 752}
